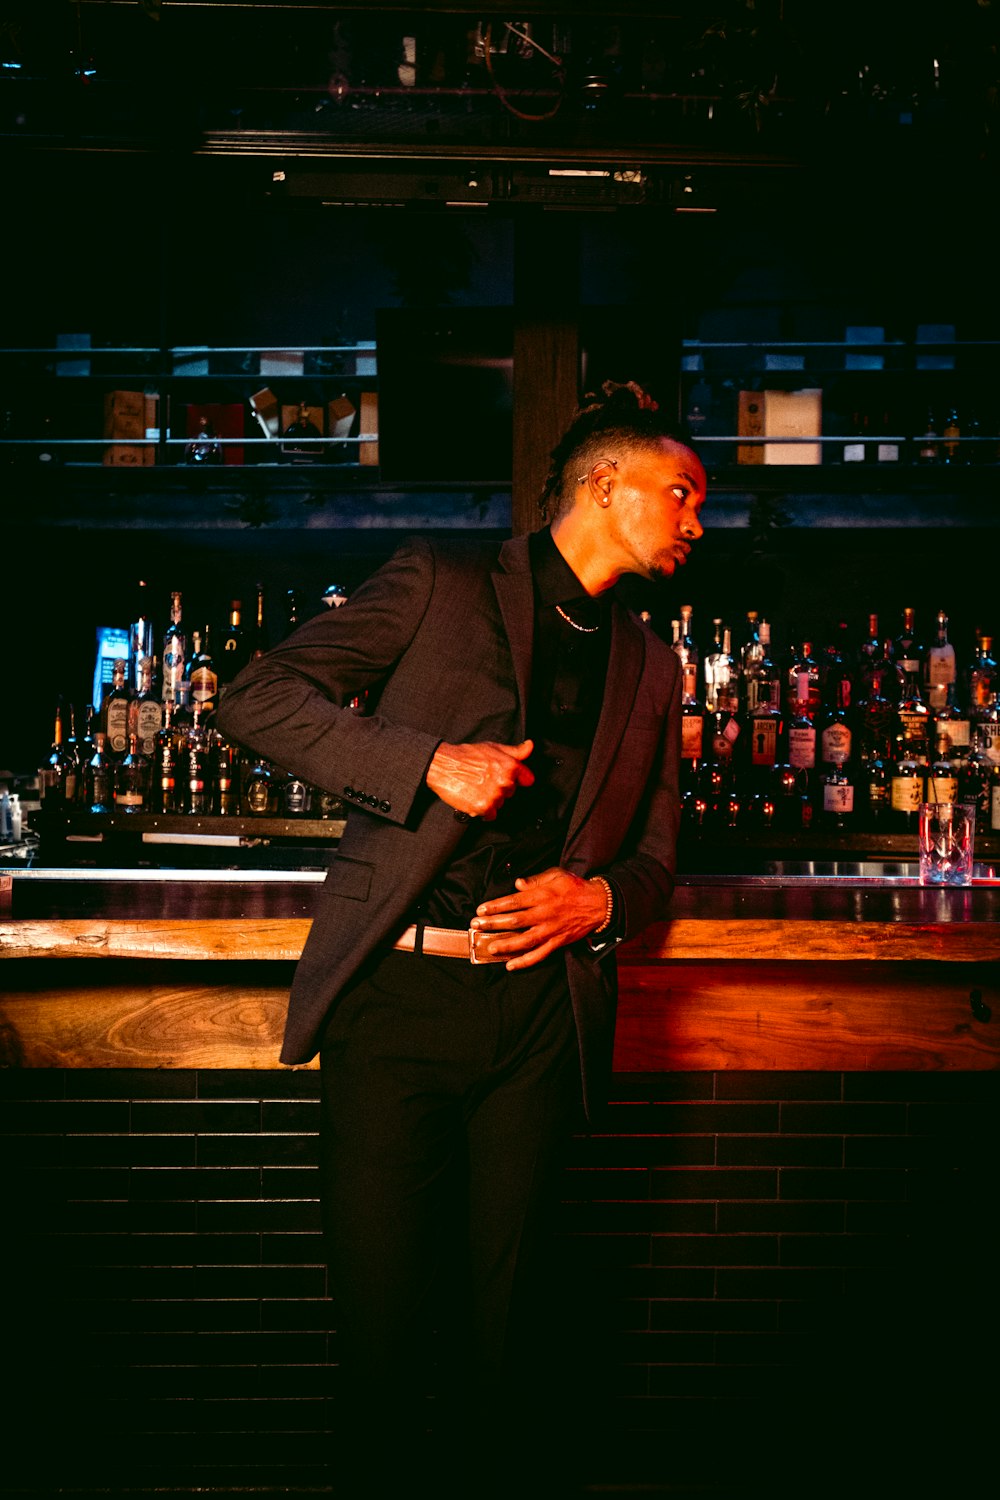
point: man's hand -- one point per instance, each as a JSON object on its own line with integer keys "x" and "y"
{"x": 478, "y": 779}
{"x": 546, "y": 912}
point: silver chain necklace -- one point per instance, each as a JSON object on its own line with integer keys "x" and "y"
{"x": 583, "y": 629}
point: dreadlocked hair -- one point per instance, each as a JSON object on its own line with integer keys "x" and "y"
{"x": 623, "y": 416}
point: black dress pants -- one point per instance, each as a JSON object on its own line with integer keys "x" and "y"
{"x": 449, "y": 1093}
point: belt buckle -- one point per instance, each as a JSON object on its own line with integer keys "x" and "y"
{"x": 477, "y": 935}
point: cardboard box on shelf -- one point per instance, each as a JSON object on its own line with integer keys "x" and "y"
{"x": 264, "y": 405}
{"x": 339, "y": 416}
{"x": 750, "y": 423}
{"x": 368, "y": 452}
{"x": 282, "y": 362}
{"x": 125, "y": 414}
{"x": 780, "y": 414}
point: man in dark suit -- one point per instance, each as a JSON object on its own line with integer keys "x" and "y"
{"x": 514, "y": 809}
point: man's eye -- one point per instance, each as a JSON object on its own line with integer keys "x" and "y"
{"x": 680, "y": 490}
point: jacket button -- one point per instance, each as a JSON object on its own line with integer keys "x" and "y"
{"x": 349, "y": 791}
{"x": 385, "y": 806}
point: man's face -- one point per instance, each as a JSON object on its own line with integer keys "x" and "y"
{"x": 655, "y": 506}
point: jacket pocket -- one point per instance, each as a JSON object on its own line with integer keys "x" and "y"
{"x": 351, "y": 878}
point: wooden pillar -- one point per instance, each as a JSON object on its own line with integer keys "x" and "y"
{"x": 546, "y": 351}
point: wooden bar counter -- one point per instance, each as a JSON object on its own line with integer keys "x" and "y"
{"x": 749, "y": 972}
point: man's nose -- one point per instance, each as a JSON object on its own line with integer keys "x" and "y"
{"x": 691, "y": 527}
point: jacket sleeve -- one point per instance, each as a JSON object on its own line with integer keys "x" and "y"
{"x": 291, "y": 705}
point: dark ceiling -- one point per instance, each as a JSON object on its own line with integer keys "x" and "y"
{"x": 366, "y": 96}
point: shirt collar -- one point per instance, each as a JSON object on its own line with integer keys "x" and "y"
{"x": 555, "y": 581}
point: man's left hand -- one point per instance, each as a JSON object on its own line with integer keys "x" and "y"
{"x": 546, "y": 912}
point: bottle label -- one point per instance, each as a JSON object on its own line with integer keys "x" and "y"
{"x": 838, "y": 797}
{"x": 941, "y": 666}
{"x": 149, "y": 722}
{"x": 836, "y": 744}
{"x": 802, "y": 748}
{"x": 942, "y": 789}
{"x": 951, "y": 734}
{"x": 204, "y": 685}
{"x": 117, "y": 726}
{"x": 989, "y": 742}
{"x": 692, "y": 729}
{"x": 128, "y": 797}
{"x": 995, "y": 809}
{"x": 764, "y": 742}
{"x": 258, "y": 796}
{"x": 689, "y": 679}
{"x": 907, "y": 793}
{"x": 888, "y": 453}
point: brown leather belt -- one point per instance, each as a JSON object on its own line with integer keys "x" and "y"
{"x": 451, "y": 942}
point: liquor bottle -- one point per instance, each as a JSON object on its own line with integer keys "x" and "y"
{"x": 146, "y": 710}
{"x": 906, "y": 793}
{"x": 166, "y": 791}
{"x": 761, "y": 683}
{"x": 99, "y": 778}
{"x": 951, "y": 432}
{"x": 838, "y": 797}
{"x": 929, "y": 446}
{"x": 892, "y": 682}
{"x": 836, "y": 738}
{"x": 802, "y": 736}
{"x": 994, "y": 785}
{"x": 224, "y": 764}
{"x": 836, "y": 674}
{"x": 982, "y": 679}
{"x": 174, "y": 651}
{"x": 115, "y": 711}
{"x": 974, "y": 782}
{"x": 876, "y": 781}
{"x": 132, "y": 779}
{"x": 260, "y": 796}
{"x": 53, "y": 772}
{"x": 950, "y": 731}
{"x": 87, "y": 738}
{"x": 871, "y": 647}
{"x": 260, "y": 628}
{"x": 874, "y": 719}
{"x": 688, "y": 654}
{"x": 907, "y": 650}
{"x": 335, "y": 594}
{"x": 722, "y": 675}
{"x": 195, "y": 766}
{"x": 942, "y": 780}
{"x": 234, "y": 654}
{"x": 71, "y": 771}
{"x": 940, "y": 667}
{"x": 803, "y": 683}
{"x": 140, "y": 638}
{"x": 751, "y": 651}
{"x": 202, "y": 675}
{"x": 913, "y": 721}
{"x": 712, "y": 655}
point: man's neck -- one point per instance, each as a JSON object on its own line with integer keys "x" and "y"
{"x": 585, "y": 554}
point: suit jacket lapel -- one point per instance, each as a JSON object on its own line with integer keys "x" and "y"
{"x": 625, "y": 661}
{"x": 516, "y": 597}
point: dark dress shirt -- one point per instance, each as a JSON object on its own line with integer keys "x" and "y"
{"x": 568, "y": 671}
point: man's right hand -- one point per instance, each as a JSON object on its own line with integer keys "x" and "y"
{"x": 478, "y": 779}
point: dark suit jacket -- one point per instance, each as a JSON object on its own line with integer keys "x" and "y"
{"x": 441, "y": 638}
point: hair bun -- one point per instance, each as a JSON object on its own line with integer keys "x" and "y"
{"x": 624, "y": 394}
